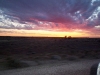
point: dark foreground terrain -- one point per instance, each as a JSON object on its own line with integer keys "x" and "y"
{"x": 52, "y": 56}
{"x": 81, "y": 67}
{"x": 45, "y": 47}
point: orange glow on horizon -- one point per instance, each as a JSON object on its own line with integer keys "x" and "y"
{"x": 43, "y": 33}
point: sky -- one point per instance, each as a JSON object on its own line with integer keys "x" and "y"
{"x": 50, "y": 18}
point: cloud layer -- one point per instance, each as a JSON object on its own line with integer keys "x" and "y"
{"x": 50, "y": 14}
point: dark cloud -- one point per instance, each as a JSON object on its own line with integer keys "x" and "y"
{"x": 99, "y": 16}
{"x": 57, "y": 11}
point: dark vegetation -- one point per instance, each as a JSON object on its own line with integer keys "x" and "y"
{"x": 45, "y": 48}
{"x": 12, "y": 63}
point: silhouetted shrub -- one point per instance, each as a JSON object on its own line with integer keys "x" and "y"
{"x": 69, "y": 37}
{"x": 72, "y": 58}
{"x": 65, "y": 37}
{"x": 56, "y": 57}
{"x": 13, "y": 63}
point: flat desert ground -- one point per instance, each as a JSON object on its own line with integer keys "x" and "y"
{"x": 55, "y": 67}
{"x": 42, "y": 49}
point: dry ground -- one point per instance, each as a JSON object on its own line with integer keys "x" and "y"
{"x": 55, "y": 67}
{"x": 33, "y": 47}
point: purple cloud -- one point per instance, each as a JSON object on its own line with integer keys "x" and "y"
{"x": 71, "y": 13}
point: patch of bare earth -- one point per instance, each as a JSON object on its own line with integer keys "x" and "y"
{"x": 55, "y": 67}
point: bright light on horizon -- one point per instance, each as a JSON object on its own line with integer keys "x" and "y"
{"x": 42, "y": 33}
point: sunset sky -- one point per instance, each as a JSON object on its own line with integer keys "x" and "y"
{"x": 50, "y": 18}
